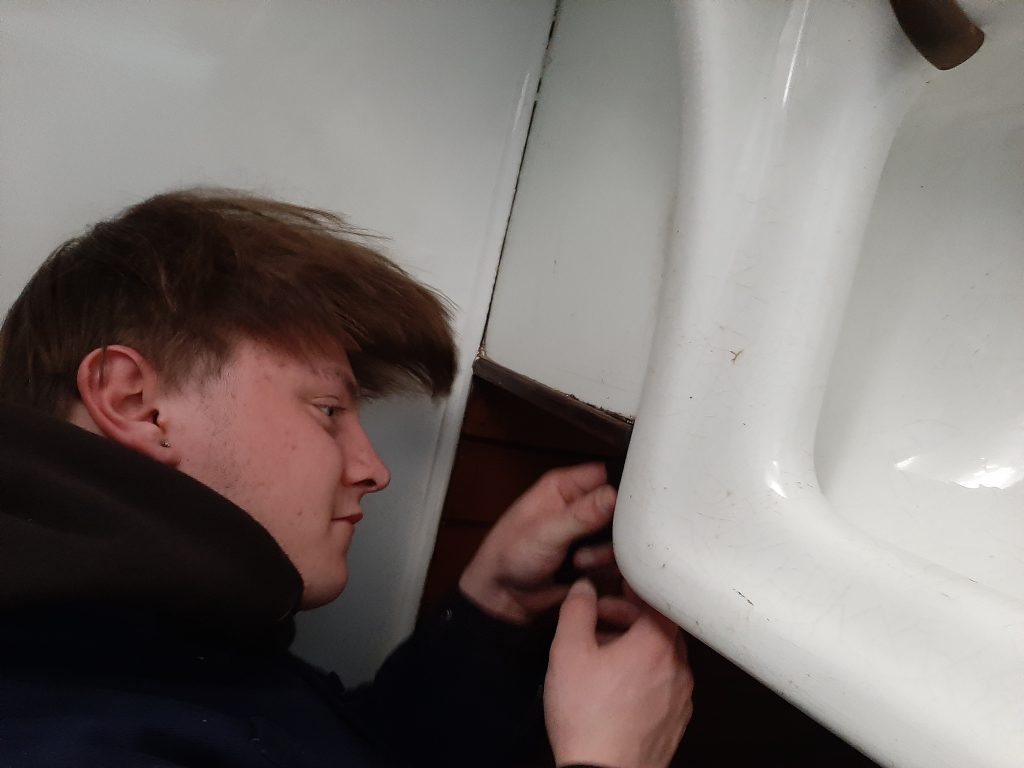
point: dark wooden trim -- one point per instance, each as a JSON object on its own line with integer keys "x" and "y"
{"x": 611, "y": 429}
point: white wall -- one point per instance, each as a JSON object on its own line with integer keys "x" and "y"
{"x": 409, "y": 116}
{"x": 578, "y": 285}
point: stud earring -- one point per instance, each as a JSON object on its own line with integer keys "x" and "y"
{"x": 164, "y": 444}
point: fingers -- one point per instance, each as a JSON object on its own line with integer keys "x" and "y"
{"x": 596, "y": 556}
{"x": 630, "y": 594}
{"x": 682, "y": 651}
{"x": 587, "y": 514}
{"x": 650, "y": 620}
{"x": 653, "y": 630}
{"x": 577, "y": 619}
{"x": 617, "y": 612}
{"x": 539, "y": 600}
{"x": 571, "y": 483}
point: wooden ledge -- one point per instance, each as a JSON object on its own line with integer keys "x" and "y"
{"x": 610, "y": 429}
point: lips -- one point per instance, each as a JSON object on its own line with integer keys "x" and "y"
{"x": 353, "y": 518}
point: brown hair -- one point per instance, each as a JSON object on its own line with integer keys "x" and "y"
{"x": 183, "y": 276}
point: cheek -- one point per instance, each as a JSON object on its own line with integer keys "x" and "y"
{"x": 297, "y": 474}
{"x": 210, "y": 449}
{"x": 279, "y": 466}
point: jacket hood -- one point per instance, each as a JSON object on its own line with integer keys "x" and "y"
{"x": 87, "y": 521}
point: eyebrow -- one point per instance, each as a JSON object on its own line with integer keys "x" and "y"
{"x": 343, "y": 378}
{"x": 351, "y": 387}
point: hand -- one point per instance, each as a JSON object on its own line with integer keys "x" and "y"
{"x": 624, "y": 702}
{"x": 511, "y": 575}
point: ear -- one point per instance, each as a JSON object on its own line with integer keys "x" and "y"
{"x": 121, "y": 392}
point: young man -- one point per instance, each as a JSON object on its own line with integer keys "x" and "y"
{"x": 181, "y": 469}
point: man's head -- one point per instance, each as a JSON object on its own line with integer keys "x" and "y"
{"x": 231, "y": 336}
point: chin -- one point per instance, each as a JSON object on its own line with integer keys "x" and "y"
{"x": 323, "y": 592}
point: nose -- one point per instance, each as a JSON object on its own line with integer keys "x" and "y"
{"x": 363, "y": 466}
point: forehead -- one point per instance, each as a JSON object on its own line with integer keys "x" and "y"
{"x": 332, "y": 372}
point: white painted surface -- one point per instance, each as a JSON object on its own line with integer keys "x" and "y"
{"x": 906, "y": 637}
{"x": 575, "y": 299}
{"x": 408, "y": 116}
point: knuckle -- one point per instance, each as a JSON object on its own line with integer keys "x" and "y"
{"x": 583, "y": 512}
{"x": 549, "y": 486}
{"x": 553, "y": 477}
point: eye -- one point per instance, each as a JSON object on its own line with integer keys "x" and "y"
{"x": 329, "y": 410}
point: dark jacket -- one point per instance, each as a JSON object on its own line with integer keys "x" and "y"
{"x": 145, "y": 621}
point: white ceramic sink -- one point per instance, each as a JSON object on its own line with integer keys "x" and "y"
{"x": 824, "y": 481}
{"x": 921, "y": 437}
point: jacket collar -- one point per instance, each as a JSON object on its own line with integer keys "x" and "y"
{"x": 85, "y": 521}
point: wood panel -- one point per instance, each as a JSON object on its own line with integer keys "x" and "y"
{"x": 488, "y": 476}
{"x": 568, "y": 419}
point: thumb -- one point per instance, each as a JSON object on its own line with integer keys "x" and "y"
{"x": 581, "y": 517}
{"x": 577, "y": 619}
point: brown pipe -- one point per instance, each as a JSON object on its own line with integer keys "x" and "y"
{"x": 940, "y": 30}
